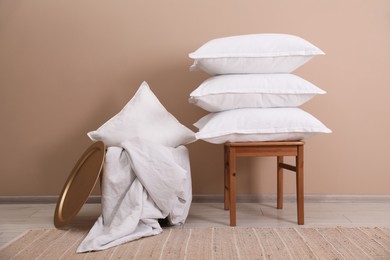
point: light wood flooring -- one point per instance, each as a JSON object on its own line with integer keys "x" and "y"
{"x": 17, "y": 218}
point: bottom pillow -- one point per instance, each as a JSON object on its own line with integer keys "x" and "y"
{"x": 258, "y": 124}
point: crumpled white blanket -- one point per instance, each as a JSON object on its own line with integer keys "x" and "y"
{"x": 142, "y": 182}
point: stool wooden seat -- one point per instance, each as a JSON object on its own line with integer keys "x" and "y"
{"x": 278, "y": 149}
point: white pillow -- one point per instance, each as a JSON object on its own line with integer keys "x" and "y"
{"x": 258, "y": 124}
{"x": 253, "y": 53}
{"x": 234, "y": 91}
{"x": 144, "y": 117}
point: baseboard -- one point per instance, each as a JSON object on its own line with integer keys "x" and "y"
{"x": 309, "y": 198}
{"x": 217, "y": 198}
{"x": 39, "y": 199}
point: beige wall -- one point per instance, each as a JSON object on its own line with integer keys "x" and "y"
{"x": 68, "y": 66}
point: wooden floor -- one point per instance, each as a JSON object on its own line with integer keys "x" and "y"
{"x": 16, "y": 218}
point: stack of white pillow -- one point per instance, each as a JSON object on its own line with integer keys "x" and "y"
{"x": 252, "y": 95}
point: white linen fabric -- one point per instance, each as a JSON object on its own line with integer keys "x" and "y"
{"x": 145, "y": 117}
{"x": 225, "y": 92}
{"x": 142, "y": 183}
{"x": 253, "y": 53}
{"x": 258, "y": 124}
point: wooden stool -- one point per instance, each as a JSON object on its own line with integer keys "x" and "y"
{"x": 279, "y": 149}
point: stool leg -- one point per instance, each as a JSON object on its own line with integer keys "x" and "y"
{"x": 279, "y": 204}
{"x": 300, "y": 183}
{"x": 232, "y": 186}
{"x": 226, "y": 178}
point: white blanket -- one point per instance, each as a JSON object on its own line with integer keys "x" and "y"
{"x": 142, "y": 182}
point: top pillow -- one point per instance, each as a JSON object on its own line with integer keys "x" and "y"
{"x": 253, "y": 53}
{"x": 144, "y": 117}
